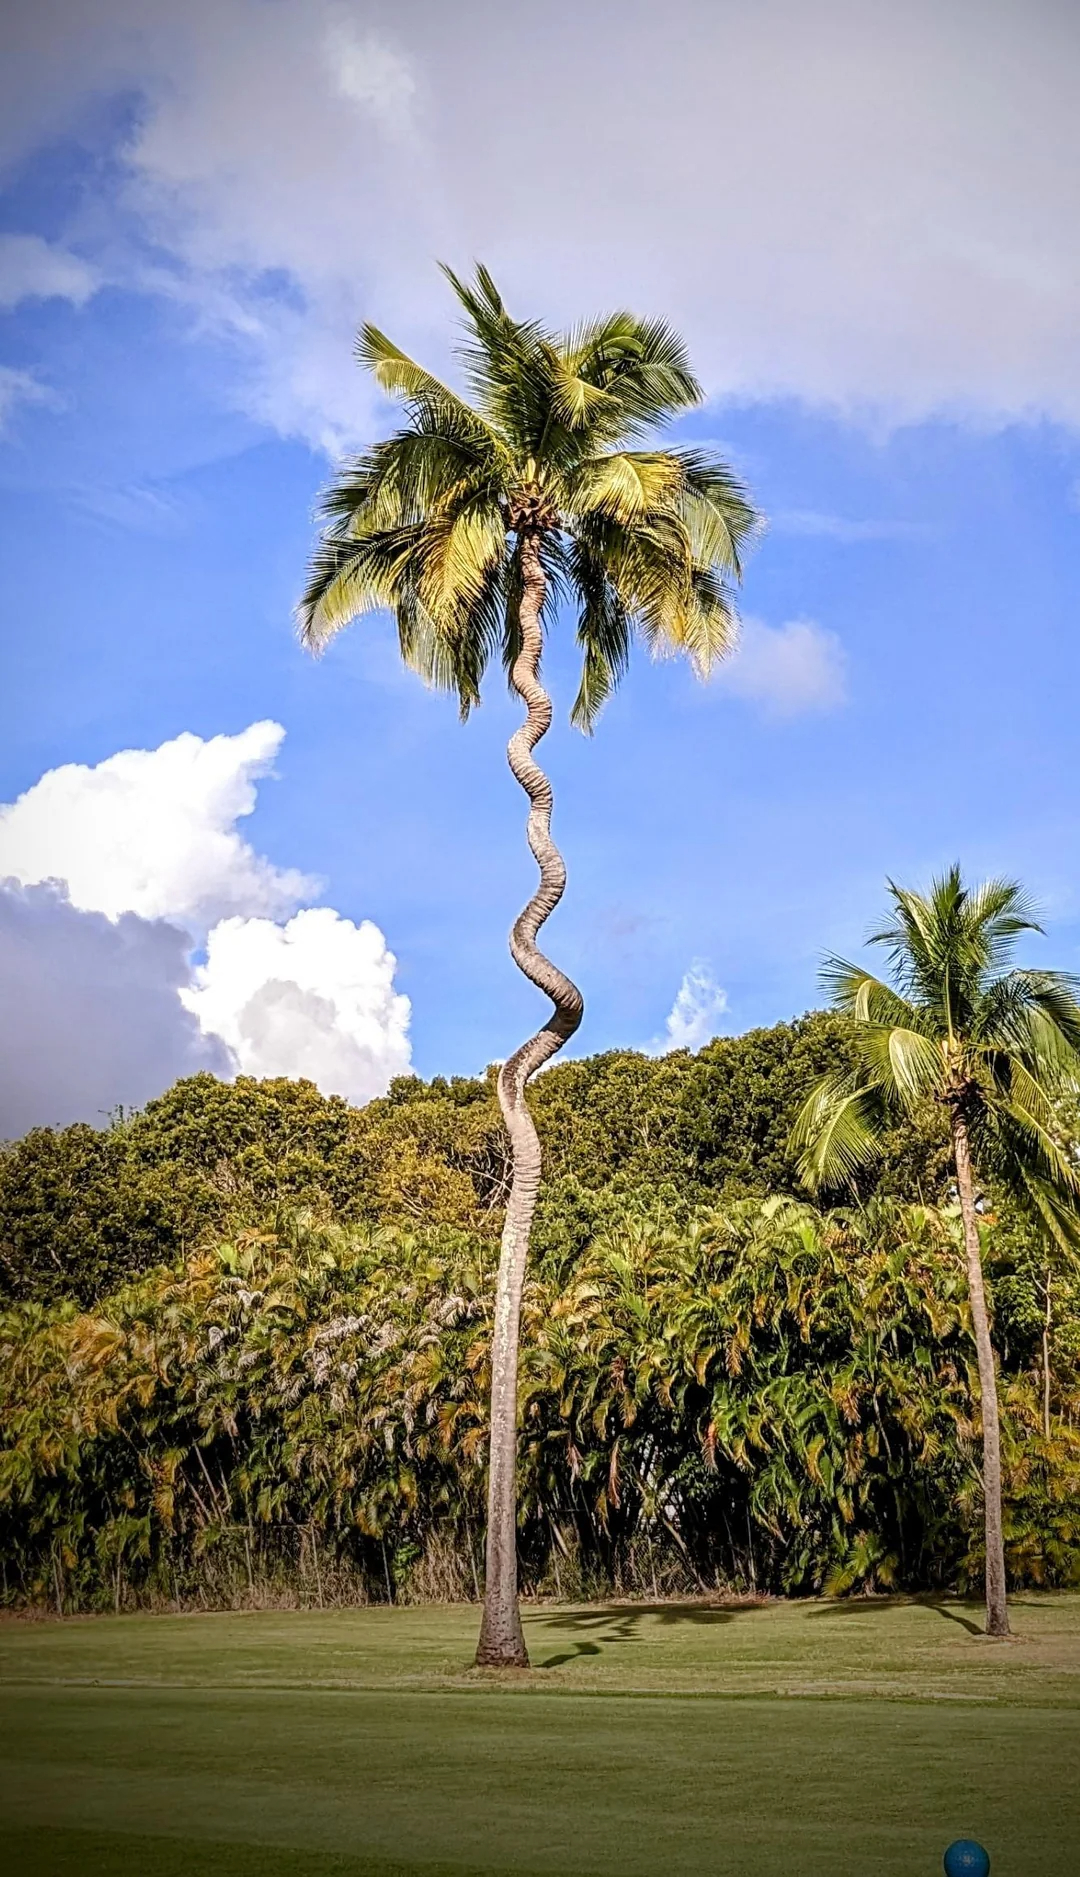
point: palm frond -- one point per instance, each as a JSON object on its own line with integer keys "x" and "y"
{"x": 1023, "y": 1148}
{"x": 461, "y": 547}
{"x": 395, "y": 372}
{"x": 351, "y": 575}
{"x": 837, "y": 1133}
{"x": 906, "y": 1065}
{"x": 507, "y": 363}
{"x": 856, "y": 991}
{"x": 716, "y": 511}
{"x": 998, "y": 911}
{"x": 643, "y": 366}
{"x": 626, "y": 486}
{"x": 1058, "y": 1211}
{"x": 604, "y": 633}
{"x": 709, "y": 627}
{"x": 407, "y": 475}
{"x": 1036, "y": 1014}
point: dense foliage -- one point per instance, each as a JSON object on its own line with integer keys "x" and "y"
{"x": 756, "y": 1395}
{"x": 245, "y": 1347}
{"x": 83, "y": 1209}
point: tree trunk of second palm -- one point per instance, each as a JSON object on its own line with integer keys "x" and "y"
{"x": 502, "y": 1644}
{"x": 997, "y": 1609}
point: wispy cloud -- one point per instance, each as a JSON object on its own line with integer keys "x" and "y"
{"x": 811, "y": 522}
{"x": 700, "y": 1002}
{"x": 21, "y": 387}
{"x": 136, "y": 508}
{"x": 788, "y": 671}
{"x": 33, "y": 269}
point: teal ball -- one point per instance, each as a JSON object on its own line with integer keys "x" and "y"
{"x": 965, "y": 1858}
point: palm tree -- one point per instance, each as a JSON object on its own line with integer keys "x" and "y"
{"x": 996, "y": 1047}
{"x": 471, "y": 524}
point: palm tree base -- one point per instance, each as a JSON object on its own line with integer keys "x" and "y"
{"x": 502, "y": 1658}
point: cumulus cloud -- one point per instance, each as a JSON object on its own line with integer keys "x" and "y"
{"x": 855, "y": 203}
{"x": 314, "y": 997}
{"x": 33, "y": 269}
{"x": 90, "y": 1016}
{"x": 694, "y": 1016}
{"x": 116, "y": 875}
{"x": 154, "y": 831}
{"x": 787, "y": 670}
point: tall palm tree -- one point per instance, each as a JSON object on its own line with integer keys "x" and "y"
{"x": 997, "y": 1047}
{"x": 471, "y": 523}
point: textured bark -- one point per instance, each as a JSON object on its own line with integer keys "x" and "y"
{"x": 997, "y": 1608}
{"x": 1048, "y": 1324}
{"x": 501, "y": 1641}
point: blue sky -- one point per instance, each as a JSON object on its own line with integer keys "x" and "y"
{"x": 172, "y": 413}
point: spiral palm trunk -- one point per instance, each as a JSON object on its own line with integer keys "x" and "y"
{"x": 997, "y": 1607}
{"x": 502, "y": 1643}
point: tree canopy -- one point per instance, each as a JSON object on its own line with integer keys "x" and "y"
{"x": 635, "y": 540}
{"x": 82, "y": 1209}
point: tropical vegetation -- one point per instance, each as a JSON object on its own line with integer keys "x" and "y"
{"x": 471, "y": 525}
{"x": 998, "y": 1049}
{"x": 269, "y": 1381}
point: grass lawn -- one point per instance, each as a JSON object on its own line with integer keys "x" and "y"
{"x": 829, "y": 1740}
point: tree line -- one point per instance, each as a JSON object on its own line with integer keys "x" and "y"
{"x": 245, "y": 1348}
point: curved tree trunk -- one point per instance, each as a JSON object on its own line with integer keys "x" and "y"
{"x": 1048, "y": 1324}
{"x": 997, "y": 1609}
{"x": 501, "y": 1641}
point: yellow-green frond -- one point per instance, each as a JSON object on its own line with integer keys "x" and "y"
{"x": 459, "y": 553}
{"x": 837, "y": 1133}
{"x": 906, "y": 1064}
{"x": 626, "y": 485}
{"x": 394, "y": 371}
{"x": 352, "y": 576}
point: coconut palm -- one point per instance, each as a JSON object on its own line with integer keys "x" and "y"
{"x": 471, "y": 524}
{"x": 997, "y": 1047}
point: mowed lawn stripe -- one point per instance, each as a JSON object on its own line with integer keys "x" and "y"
{"x": 828, "y": 1788}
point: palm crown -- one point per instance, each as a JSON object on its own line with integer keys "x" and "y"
{"x": 955, "y": 1025}
{"x": 429, "y": 523}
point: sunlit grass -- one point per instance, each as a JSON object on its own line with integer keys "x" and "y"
{"x": 819, "y": 1738}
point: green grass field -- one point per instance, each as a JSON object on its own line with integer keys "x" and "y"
{"x": 830, "y": 1740}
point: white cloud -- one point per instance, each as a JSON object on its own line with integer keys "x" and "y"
{"x": 694, "y": 1016}
{"x": 21, "y": 387}
{"x": 33, "y": 269}
{"x": 115, "y": 875}
{"x": 788, "y": 670}
{"x": 370, "y": 74}
{"x": 90, "y": 1016}
{"x": 154, "y": 831}
{"x": 314, "y": 997}
{"x": 867, "y": 206}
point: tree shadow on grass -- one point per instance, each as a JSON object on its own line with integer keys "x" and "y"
{"x": 877, "y": 1606}
{"x": 596, "y": 1630}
